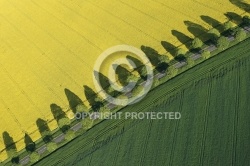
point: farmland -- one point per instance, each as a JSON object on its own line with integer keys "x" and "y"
{"x": 47, "y": 46}
{"x": 213, "y": 129}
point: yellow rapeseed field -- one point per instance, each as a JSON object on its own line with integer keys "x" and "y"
{"x": 49, "y": 45}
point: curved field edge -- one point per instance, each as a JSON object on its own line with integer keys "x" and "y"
{"x": 82, "y": 148}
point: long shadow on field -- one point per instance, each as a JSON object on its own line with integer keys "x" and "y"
{"x": 140, "y": 67}
{"x": 30, "y": 145}
{"x": 197, "y": 30}
{"x": 244, "y": 6}
{"x": 10, "y": 147}
{"x": 105, "y": 84}
{"x": 44, "y": 130}
{"x": 152, "y": 54}
{"x": 184, "y": 39}
{"x": 213, "y": 22}
{"x": 73, "y": 99}
{"x": 122, "y": 74}
{"x": 234, "y": 17}
{"x": 104, "y": 81}
{"x": 93, "y": 99}
{"x": 57, "y": 112}
{"x": 169, "y": 47}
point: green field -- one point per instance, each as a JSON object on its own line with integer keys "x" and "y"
{"x": 214, "y": 129}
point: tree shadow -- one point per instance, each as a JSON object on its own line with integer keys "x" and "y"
{"x": 73, "y": 99}
{"x": 234, "y": 17}
{"x": 105, "y": 84}
{"x": 104, "y": 81}
{"x": 122, "y": 74}
{"x": 93, "y": 99}
{"x": 44, "y": 130}
{"x": 140, "y": 67}
{"x": 212, "y": 22}
{"x": 30, "y": 145}
{"x": 184, "y": 39}
{"x": 152, "y": 54}
{"x": 57, "y": 112}
{"x": 10, "y": 147}
{"x": 8, "y": 141}
{"x": 169, "y": 47}
{"x": 197, "y": 30}
{"x": 244, "y": 6}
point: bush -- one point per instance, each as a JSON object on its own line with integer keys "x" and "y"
{"x": 132, "y": 78}
{"x": 163, "y": 58}
{"x": 156, "y": 82}
{"x": 180, "y": 52}
{"x": 197, "y": 43}
{"x": 124, "y": 100}
{"x": 63, "y": 122}
{"x": 105, "y": 112}
{"x": 172, "y": 71}
{"x": 222, "y": 43}
{"x": 81, "y": 108}
{"x": 87, "y": 123}
{"x": 240, "y": 35}
{"x": 138, "y": 90}
{"x": 228, "y": 26}
{"x": 12, "y": 153}
{"x": 34, "y": 157}
{"x": 190, "y": 62}
{"x": 51, "y": 146}
{"x": 205, "y": 54}
{"x": 215, "y": 34}
{"x": 70, "y": 134}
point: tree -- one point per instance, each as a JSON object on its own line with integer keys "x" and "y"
{"x": 138, "y": 90}
{"x": 228, "y": 26}
{"x": 246, "y": 20}
{"x": 205, "y": 54}
{"x": 51, "y": 146}
{"x": 163, "y": 59}
{"x": 180, "y": 52}
{"x": 156, "y": 82}
{"x": 63, "y": 122}
{"x": 197, "y": 43}
{"x": 132, "y": 77}
{"x": 34, "y": 157}
{"x": 123, "y": 100}
{"x": 222, "y": 43}
{"x": 190, "y": 62}
{"x": 172, "y": 71}
{"x": 46, "y": 135}
{"x": 143, "y": 71}
{"x": 105, "y": 112}
{"x": 215, "y": 34}
{"x": 12, "y": 153}
{"x": 240, "y": 35}
{"x": 70, "y": 134}
{"x": 87, "y": 123}
{"x": 81, "y": 108}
